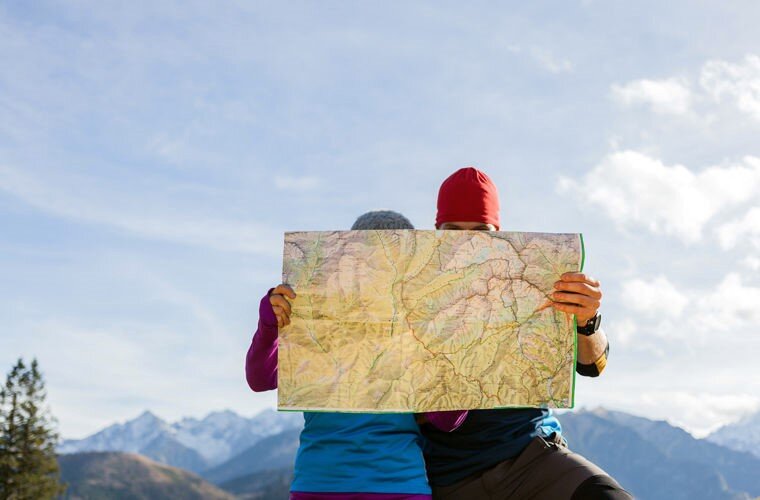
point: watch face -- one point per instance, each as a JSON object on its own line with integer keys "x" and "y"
{"x": 591, "y": 327}
{"x": 597, "y": 322}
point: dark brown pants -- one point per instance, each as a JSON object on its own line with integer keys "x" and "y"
{"x": 545, "y": 470}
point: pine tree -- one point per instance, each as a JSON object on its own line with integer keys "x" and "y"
{"x": 28, "y": 465}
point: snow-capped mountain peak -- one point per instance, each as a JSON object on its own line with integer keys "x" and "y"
{"x": 130, "y": 436}
{"x": 742, "y": 435}
{"x": 217, "y": 437}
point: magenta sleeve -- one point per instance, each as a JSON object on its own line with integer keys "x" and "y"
{"x": 446, "y": 421}
{"x": 261, "y": 359}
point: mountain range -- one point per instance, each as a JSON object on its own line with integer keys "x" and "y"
{"x": 652, "y": 459}
{"x": 743, "y": 435}
{"x": 192, "y": 444}
{"x": 655, "y": 460}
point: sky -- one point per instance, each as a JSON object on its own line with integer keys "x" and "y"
{"x": 152, "y": 154}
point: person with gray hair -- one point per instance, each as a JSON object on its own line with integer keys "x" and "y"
{"x": 346, "y": 456}
{"x": 382, "y": 219}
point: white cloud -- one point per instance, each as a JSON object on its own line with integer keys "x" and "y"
{"x": 748, "y": 226}
{"x": 635, "y": 189}
{"x": 729, "y": 307}
{"x": 752, "y": 262}
{"x": 668, "y": 316}
{"x": 654, "y": 298}
{"x": 669, "y": 96}
{"x": 739, "y": 83}
{"x": 648, "y": 336}
{"x": 700, "y": 413}
{"x": 644, "y": 338}
{"x": 86, "y": 201}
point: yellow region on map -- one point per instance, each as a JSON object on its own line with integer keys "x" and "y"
{"x": 415, "y": 321}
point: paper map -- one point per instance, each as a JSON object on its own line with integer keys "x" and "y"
{"x": 414, "y": 321}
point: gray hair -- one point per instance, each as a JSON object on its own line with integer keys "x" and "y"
{"x": 382, "y": 219}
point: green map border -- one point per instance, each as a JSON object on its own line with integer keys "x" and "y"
{"x": 575, "y": 324}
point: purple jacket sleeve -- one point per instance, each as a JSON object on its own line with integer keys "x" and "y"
{"x": 261, "y": 360}
{"x": 446, "y": 421}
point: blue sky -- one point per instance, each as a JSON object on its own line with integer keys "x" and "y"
{"x": 153, "y": 153}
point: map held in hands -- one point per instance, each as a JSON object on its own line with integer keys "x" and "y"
{"x": 416, "y": 321}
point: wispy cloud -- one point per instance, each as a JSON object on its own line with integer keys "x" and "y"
{"x": 85, "y": 200}
{"x": 669, "y": 96}
{"x": 701, "y": 412}
{"x": 544, "y": 58}
{"x": 102, "y": 372}
{"x": 657, "y": 297}
{"x": 730, "y": 307}
{"x": 624, "y": 330}
{"x": 297, "y": 183}
{"x": 550, "y": 62}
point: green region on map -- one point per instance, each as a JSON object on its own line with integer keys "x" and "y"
{"x": 414, "y": 321}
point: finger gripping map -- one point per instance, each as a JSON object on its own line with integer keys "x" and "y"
{"x": 414, "y": 321}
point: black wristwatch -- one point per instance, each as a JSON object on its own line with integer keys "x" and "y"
{"x": 591, "y": 327}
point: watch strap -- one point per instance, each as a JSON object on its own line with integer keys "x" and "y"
{"x": 591, "y": 327}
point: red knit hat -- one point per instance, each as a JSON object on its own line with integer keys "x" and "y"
{"x": 468, "y": 195}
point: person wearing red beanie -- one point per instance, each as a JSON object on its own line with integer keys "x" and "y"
{"x": 516, "y": 453}
{"x": 468, "y": 195}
